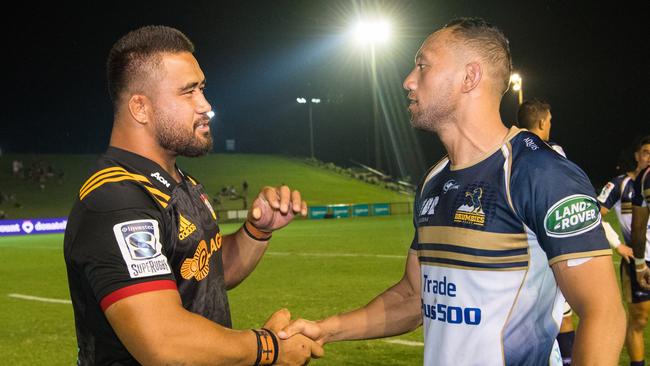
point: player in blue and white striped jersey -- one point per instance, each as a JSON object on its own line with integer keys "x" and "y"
{"x": 535, "y": 116}
{"x": 618, "y": 194}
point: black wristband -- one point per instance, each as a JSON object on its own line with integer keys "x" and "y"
{"x": 259, "y": 348}
{"x": 250, "y": 234}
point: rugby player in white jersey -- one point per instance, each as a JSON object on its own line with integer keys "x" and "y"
{"x": 535, "y": 116}
{"x": 496, "y": 237}
{"x": 636, "y": 230}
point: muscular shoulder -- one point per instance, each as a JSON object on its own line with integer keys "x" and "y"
{"x": 533, "y": 159}
{"x": 112, "y": 187}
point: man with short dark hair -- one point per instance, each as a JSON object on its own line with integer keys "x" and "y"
{"x": 535, "y": 116}
{"x": 641, "y": 246}
{"x": 501, "y": 225}
{"x": 148, "y": 267}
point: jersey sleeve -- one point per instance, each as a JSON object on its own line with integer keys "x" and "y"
{"x": 610, "y": 194}
{"x": 120, "y": 253}
{"x": 641, "y": 196}
{"x": 557, "y": 203}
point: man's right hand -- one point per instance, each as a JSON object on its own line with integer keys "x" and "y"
{"x": 296, "y": 350}
{"x": 305, "y": 327}
{"x": 625, "y": 252}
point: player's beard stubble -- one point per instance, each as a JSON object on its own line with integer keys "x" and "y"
{"x": 172, "y": 137}
{"x": 438, "y": 112}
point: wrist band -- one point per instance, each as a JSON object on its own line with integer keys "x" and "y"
{"x": 639, "y": 261}
{"x": 255, "y": 233}
{"x": 267, "y": 347}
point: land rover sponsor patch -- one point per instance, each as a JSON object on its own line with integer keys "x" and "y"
{"x": 139, "y": 242}
{"x": 572, "y": 215}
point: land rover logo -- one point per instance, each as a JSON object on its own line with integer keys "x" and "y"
{"x": 571, "y": 216}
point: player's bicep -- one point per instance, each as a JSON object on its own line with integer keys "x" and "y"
{"x": 118, "y": 251}
{"x": 412, "y": 273}
{"x": 588, "y": 287}
{"x": 141, "y": 321}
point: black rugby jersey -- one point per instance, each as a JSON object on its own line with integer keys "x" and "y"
{"x": 131, "y": 230}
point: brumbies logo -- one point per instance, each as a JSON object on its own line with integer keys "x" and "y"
{"x": 139, "y": 242}
{"x": 185, "y": 227}
{"x": 572, "y": 215}
{"x": 198, "y": 266}
{"x": 471, "y": 211}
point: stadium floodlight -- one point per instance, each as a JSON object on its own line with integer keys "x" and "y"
{"x": 517, "y": 85}
{"x": 312, "y": 101}
{"x": 372, "y": 31}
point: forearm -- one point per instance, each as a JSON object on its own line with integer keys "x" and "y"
{"x": 182, "y": 338}
{"x": 639, "y": 230}
{"x": 599, "y": 338}
{"x": 241, "y": 254}
{"x": 396, "y": 311}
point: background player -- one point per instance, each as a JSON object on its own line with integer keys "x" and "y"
{"x": 535, "y": 116}
{"x": 618, "y": 194}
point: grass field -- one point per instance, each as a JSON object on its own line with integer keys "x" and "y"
{"x": 319, "y": 267}
{"x": 317, "y": 185}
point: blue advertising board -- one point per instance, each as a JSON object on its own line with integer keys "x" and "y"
{"x": 33, "y": 226}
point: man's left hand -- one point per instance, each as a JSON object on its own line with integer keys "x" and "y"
{"x": 275, "y": 207}
{"x": 643, "y": 276}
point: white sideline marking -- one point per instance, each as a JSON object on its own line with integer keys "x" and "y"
{"x": 42, "y": 299}
{"x": 405, "y": 343}
{"x": 338, "y": 255}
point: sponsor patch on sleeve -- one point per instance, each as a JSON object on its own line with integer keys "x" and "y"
{"x": 571, "y": 216}
{"x": 604, "y": 193}
{"x": 139, "y": 242}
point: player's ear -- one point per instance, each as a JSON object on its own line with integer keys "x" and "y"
{"x": 139, "y": 108}
{"x": 473, "y": 74}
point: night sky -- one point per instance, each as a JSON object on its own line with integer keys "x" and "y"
{"x": 589, "y": 62}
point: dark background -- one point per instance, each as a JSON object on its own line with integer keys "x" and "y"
{"x": 590, "y": 62}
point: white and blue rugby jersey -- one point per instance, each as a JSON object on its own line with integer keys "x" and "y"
{"x": 486, "y": 235}
{"x": 618, "y": 193}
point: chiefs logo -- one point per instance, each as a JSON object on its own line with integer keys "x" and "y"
{"x": 198, "y": 266}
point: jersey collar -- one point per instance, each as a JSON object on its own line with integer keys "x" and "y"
{"x": 156, "y": 175}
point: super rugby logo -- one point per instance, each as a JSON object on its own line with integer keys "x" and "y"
{"x": 139, "y": 242}
{"x": 604, "y": 193}
{"x": 572, "y": 215}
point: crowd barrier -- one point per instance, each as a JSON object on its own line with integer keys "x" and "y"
{"x": 33, "y": 226}
{"x": 56, "y": 225}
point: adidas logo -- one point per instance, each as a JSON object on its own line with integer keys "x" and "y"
{"x": 185, "y": 228}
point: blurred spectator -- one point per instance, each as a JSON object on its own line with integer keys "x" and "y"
{"x": 17, "y": 169}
